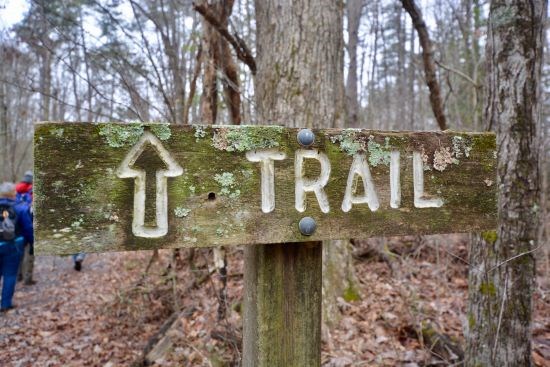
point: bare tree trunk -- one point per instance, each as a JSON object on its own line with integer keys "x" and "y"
{"x": 429, "y": 64}
{"x": 3, "y": 132}
{"x": 353, "y": 10}
{"x": 502, "y": 263}
{"x": 219, "y": 60}
{"x": 209, "y": 98}
{"x": 299, "y": 82}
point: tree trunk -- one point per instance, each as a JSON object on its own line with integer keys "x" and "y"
{"x": 502, "y": 263}
{"x": 219, "y": 60}
{"x": 353, "y": 11}
{"x": 299, "y": 83}
{"x": 4, "y": 140}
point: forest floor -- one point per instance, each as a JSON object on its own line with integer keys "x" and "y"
{"x": 106, "y": 314}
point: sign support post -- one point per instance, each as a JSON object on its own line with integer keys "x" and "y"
{"x": 282, "y": 305}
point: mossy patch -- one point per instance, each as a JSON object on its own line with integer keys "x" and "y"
{"x": 57, "y": 132}
{"x": 228, "y": 185}
{"x": 118, "y": 136}
{"x": 379, "y": 154}
{"x": 181, "y": 212}
{"x": 351, "y": 142}
{"x": 489, "y": 236}
{"x": 200, "y": 132}
{"x": 161, "y": 131}
{"x": 471, "y": 321}
{"x": 246, "y": 138}
{"x": 461, "y": 147}
{"x": 348, "y": 141}
{"x": 351, "y": 294}
{"x": 488, "y": 289}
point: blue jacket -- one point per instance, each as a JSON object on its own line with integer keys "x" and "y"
{"x": 24, "y": 219}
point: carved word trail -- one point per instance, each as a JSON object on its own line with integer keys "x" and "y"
{"x": 359, "y": 167}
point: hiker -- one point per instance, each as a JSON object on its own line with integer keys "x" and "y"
{"x": 24, "y": 195}
{"x": 15, "y": 230}
{"x": 24, "y": 188}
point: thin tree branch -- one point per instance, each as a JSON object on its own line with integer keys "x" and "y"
{"x": 515, "y": 257}
{"x": 427, "y": 58}
{"x": 459, "y": 73}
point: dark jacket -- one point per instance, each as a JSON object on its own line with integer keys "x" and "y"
{"x": 23, "y": 227}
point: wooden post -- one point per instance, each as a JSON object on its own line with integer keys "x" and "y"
{"x": 299, "y": 82}
{"x": 282, "y": 305}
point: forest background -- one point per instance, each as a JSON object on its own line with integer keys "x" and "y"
{"x": 146, "y": 60}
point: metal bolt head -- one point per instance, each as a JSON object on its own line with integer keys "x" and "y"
{"x": 306, "y": 137}
{"x": 307, "y": 226}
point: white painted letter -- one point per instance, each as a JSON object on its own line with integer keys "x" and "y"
{"x": 360, "y": 167}
{"x": 420, "y": 200}
{"x": 395, "y": 181}
{"x": 266, "y": 158}
{"x": 304, "y": 185}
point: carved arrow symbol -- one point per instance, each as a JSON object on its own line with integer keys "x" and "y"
{"x": 125, "y": 170}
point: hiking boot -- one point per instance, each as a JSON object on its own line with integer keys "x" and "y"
{"x": 78, "y": 265}
{"x": 29, "y": 282}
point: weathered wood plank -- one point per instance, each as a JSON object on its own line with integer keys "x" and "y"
{"x": 86, "y": 185}
{"x": 284, "y": 303}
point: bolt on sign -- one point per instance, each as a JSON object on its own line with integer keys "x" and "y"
{"x": 116, "y": 187}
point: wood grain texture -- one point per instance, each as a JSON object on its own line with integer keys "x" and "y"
{"x": 81, "y": 204}
{"x": 283, "y": 302}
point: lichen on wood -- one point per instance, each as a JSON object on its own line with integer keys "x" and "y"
{"x": 82, "y": 205}
{"x": 245, "y": 138}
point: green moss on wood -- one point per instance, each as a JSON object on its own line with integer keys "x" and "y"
{"x": 471, "y": 321}
{"x": 490, "y": 237}
{"x": 378, "y": 154}
{"x": 162, "y": 131}
{"x": 57, "y": 132}
{"x": 118, "y": 135}
{"x": 246, "y": 138}
{"x": 488, "y": 289}
{"x": 228, "y": 184}
{"x": 348, "y": 141}
{"x": 200, "y": 132}
{"x": 181, "y": 212}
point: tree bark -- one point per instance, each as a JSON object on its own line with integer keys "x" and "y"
{"x": 353, "y": 11}
{"x": 428, "y": 59}
{"x": 299, "y": 83}
{"x": 4, "y": 139}
{"x": 218, "y": 58}
{"x": 502, "y": 263}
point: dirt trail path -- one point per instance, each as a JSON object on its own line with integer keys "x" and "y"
{"x": 59, "y": 321}
{"x": 103, "y": 315}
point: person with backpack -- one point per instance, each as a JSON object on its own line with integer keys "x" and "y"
{"x": 24, "y": 195}
{"x": 24, "y": 188}
{"x": 15, "y": 230}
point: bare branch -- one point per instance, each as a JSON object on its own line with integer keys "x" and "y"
{"x": 241, "y": 49}
{"x": 459, "y": 73}
{"x": 427, "y": 57}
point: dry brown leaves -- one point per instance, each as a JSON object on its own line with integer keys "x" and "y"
{"x": 105, "y": 315}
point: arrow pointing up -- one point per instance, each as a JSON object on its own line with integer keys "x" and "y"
{"x": 125, "y": 170}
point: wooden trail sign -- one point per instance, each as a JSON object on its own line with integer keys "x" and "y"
{"x": 117, "y": 187}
